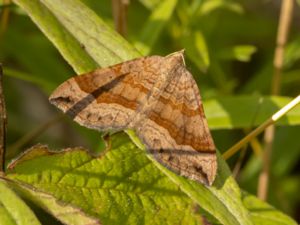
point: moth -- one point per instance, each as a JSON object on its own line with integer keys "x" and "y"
{"x": 155, "y": 96}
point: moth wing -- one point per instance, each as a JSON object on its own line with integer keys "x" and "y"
{"x": 176, "y": 132}
{"x": 107, "y": 99}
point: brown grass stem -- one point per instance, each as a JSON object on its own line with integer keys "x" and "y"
{"x": 120, "y": 8}
{"x": 4, "y": 17}
{"x": 282, "y": 35}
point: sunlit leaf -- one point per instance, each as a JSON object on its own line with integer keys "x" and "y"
{"x": 264, "y": 214}
{"x": 124, "y": 183}
{"x": 197, "y": 50}
{"x": 211, "y": 5}
{"x": 150, "y": 3}
{"x": 13, "y": 210}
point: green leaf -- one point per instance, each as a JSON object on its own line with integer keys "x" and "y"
{"x": 292, "y": 53}
{"x": 98, "y": 40}
{"x": 197, "y": 50}
{"x": 209, "y": 6}
{"x": 120, "y": 187}
{"x": 79, "y": 34}
{"x": 247, "y": 111}
{"x": 261, "y": 80}
{"x": 66, "y": 213}
{"x": 241, "y": 53}
{"x": 219, "y": 200}
{"x": 264, "y": 214}
{"x": 150, "y": 3}
{"x": 13, "y": 210}
{"x": 69, "y": 47}
{"x": 124, "y": 184}
{"x": 154, "y": 26}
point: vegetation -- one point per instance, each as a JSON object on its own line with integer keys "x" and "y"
{"x": 233, "y": 49}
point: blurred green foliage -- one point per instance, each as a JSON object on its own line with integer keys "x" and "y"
{"x": 229, "y": 48}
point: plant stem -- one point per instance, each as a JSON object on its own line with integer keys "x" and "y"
{"x": 4, "y": 17}
{"x": 282, "y": 35}
{"x": 3, "y": 123}
{"x": 119, "y": 8}
{"x": 262, "y": 127}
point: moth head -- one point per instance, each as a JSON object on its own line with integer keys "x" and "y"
{"x": 175, "y": 59}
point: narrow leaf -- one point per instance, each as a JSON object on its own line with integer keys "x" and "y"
{"x": 13, "y": 210}
{"x": 241, "y": 53}
{"x": 292, "y": 53}
{"x": 209, "y": 6}
{"x": 264, "y": 214}
{"x": 154, "y": 26}
{"x": 197, "y": 50}
{"x": 98, "y": 40}
{"x": 69, "y": 47}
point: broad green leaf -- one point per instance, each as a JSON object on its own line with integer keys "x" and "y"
{"x": 13, "y": 211}
{"x": 220, "y": 202}
{"x": 247, "y": 111}
{"x": 154, "y": 25}
{"x": 241, "y": 53}
{"x": 120, "y": 187}
{"x": 66, "y": 213}
{"x": 264, "y": 214}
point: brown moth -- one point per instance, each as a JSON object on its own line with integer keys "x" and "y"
{"x": 155, "y": 96}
